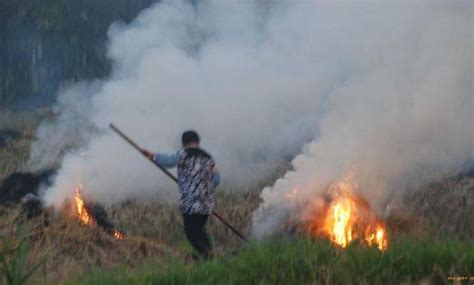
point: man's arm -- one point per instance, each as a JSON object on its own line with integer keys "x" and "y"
{"x": 216, "y": 178}
{"x": 165, "y": 160}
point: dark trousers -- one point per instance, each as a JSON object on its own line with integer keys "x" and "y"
{"x": 194, "y": 227}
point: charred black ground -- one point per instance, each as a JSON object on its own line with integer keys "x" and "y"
{"x": 6, "y": 135}
{"x": 22, "y": 189}
{"x": 18, "y": 185}
{"x": 101, "y": 217}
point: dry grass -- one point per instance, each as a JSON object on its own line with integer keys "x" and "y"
{"x": 15, "y": 154}
{"x": 69, "y": 249}
{"x": 154, "y": 231}
{"x": 448, "y": 204}
{"x": 154, "y": 235}
{"x": 164, "y": 222}
{"x": 13, "y": 157}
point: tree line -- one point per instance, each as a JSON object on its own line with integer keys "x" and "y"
{"x": 43, "y": 43}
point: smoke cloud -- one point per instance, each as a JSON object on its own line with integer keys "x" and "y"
{"x": 401, "y": 116}
{"x": 384, "y": 88}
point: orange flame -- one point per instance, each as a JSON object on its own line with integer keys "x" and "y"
{"x": 338, "y": 222}
{"x": 377, "y": 237}
{"x": 349, "y": 217}
{"x": 118, "y": 234}
{"x": 85, "y": 219}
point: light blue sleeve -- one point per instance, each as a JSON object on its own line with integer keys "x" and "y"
{"x": 216, "y": 178}
{"x": 165, "y": 160}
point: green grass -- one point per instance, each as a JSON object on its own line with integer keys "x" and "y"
{"x": 309, "y": 262}
{"x": 14, "y": 266}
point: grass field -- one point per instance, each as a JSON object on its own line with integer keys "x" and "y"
{"x": 306, "y": 261}
{"x": 430, "y": 241}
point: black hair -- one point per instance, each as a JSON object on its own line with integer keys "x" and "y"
{"x": 190, "y": 137}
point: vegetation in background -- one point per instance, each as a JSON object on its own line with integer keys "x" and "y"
{"x": 43, "y": 43}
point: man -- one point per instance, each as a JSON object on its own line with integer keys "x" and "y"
{"x": 198, "y": 177}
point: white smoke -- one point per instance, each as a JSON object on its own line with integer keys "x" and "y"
{"x": 402, "y": 117}
{"x": 71, "y": 128}
{"x": 385, "y": 87}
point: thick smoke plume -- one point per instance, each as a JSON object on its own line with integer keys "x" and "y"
{"x": 402, "y": 115}
{"x": 384, "y": 88}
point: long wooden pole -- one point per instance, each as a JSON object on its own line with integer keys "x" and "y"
{"x": 165, "y": 171}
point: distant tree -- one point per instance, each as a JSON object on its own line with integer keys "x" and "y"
{"x": 43, "y": 43}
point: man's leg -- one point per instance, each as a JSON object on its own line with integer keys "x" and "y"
{"x": 194, "y": 227}
{"x": 204, "y": 237}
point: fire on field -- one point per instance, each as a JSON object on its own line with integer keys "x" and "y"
{"x": 24, "y": 189}
{"x": 155, "y": 231}
{"x": 348, "y": 218}
{"x": 71, "y": 239}
{"x": 342, "y": 215}
{"x": 92, "y": 215}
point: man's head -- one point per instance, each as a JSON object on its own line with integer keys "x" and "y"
{"x": 190, "y": 139}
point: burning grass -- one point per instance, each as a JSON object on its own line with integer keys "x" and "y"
{"x": 154, "y": 249}
{"x": 154, "y": 236}
{"x": 93, "y": 215}
{"x": 346, "y": 218}
{"x": 69, "y": 249}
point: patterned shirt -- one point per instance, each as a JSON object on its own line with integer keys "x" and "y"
{"x": 197, "y": 179}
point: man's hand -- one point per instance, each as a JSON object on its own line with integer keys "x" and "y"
{"x": 147, "y": 153}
